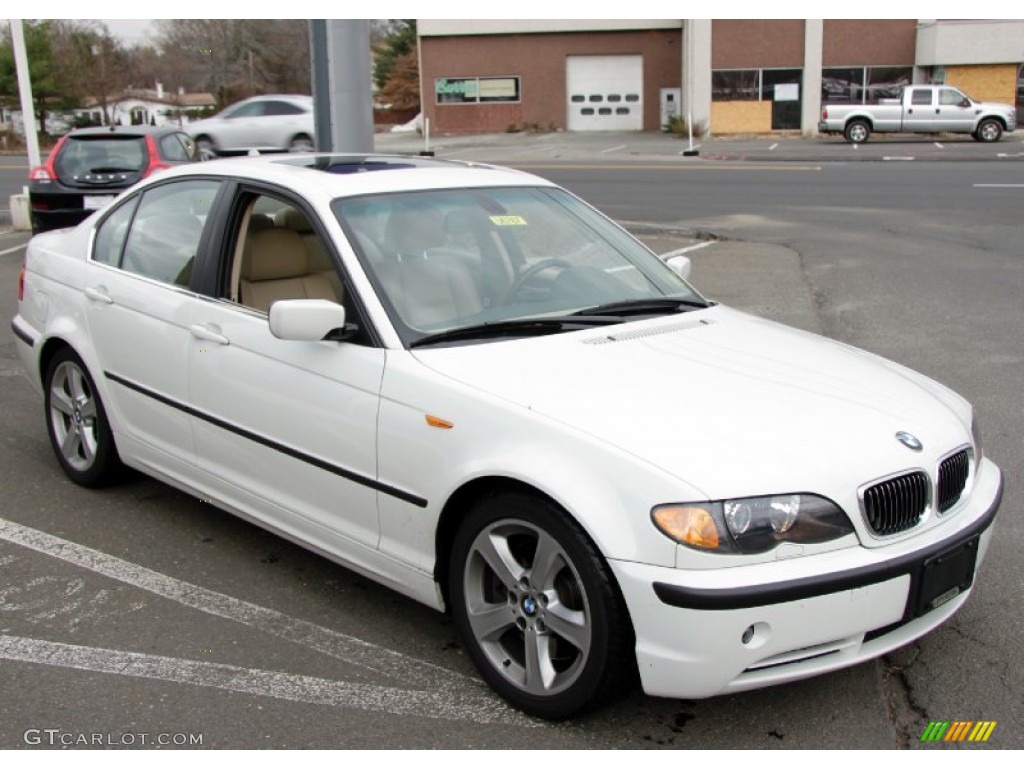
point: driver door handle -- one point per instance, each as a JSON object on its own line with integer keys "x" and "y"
{"x": 98, "y": 294}
{"x": 208, "y": 333}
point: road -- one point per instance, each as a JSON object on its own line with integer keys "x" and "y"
{"x": 141, "y": 610}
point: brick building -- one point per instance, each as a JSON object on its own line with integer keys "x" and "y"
{"x": 733, "y": 75}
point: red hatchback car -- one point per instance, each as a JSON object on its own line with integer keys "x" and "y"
{"x": 89, "y": 167}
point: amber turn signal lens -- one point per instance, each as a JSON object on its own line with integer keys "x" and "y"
{"x": 688, "y": 525}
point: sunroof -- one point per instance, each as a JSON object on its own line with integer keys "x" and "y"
{"x": 362, "y": 163}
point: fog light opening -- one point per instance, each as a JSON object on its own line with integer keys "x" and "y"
{"x": 756, "y": 635}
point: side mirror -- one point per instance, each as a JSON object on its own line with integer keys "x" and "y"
{"x": 681, "y": 265}
{"x": 965, "y": 103}
{"x": 309, "y": 320}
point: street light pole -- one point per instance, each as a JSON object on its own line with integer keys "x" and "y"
{"x": 28, "y": 112}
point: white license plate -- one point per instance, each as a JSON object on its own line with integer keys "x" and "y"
{"x": 92, "y": 202}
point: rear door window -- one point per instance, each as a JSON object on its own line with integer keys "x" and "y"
{"x": 172, "y": 149}
{"x": 921, "y": 97}
{"x": 164, "y": 236}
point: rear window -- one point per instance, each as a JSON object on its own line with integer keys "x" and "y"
{"x": 87, "y": 155}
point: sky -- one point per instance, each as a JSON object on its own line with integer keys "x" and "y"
{"x": 131, "y": 31}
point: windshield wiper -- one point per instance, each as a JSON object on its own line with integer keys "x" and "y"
{"x": 533, "y": 326}
{"x": 643, "y": 307}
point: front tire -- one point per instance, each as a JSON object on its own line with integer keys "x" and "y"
{"x": 77, "y": 423}
{"x": 857, "y": 132}
{"x": 537, "y": 608}
{"x": 989, "y": 130}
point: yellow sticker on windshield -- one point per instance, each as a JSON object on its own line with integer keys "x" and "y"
{"x": 508, "y": 221}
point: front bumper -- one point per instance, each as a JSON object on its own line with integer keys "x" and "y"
{"x": 799, "y": 617}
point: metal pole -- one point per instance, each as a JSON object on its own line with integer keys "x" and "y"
{"x": 28, "y": 113}
{"x": 342, "y": 86}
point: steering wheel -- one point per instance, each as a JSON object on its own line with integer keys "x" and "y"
{"x": 532, "y": 272}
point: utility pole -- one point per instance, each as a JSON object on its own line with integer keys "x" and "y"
{"x": 28, "y": 111}
{"x": 342, "y": 88}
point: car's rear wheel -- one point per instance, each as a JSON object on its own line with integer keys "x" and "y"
{"x": 989, "y": 130}
{"x": 857, "y": 132}
{"x": 537, "y": 608}
{"x": 77, "y": 423}
{"x": 301, "y": 143}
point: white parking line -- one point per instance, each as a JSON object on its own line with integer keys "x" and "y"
{"x": 687, "y": 249}
{"x": 773, "y": 146}
{"x": 613, "y": 149}
{"x": 350, "y": 649}
{"x": 259, "y": 682}
{"x": 939, "y": 145}
{"x": 12, "y": 250}
{"x": 1000, "y": 186}
{"x": 887, "y": 157}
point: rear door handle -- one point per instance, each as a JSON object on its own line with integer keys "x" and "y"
{"x": 208, "y": 333}
{"x": 98, "y": 294}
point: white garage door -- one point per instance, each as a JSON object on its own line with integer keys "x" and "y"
{"x": 605, "y": 93}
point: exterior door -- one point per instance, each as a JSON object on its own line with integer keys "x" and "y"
{"x": 919, "y": 116}
{"x": 671, "y": 105}
{"x": 287, "y": 427}
{"x": 605, "y": 93}
{"x": 951, "y": 114}
{"x": 139, "y": 305}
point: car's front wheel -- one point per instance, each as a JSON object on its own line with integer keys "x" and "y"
{"x": 77, "y": 423}
{"x": 537, "y": 608}
{"x": 989, "y": 130}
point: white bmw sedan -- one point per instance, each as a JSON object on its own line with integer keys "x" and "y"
{"x": 467, "y": 384}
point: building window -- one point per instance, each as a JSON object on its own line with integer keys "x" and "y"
{"x": 474, "y": 90}
{"x": 756, "y": 85}
{"x": 863, "y": 85}
{"x": 736, "y": 85}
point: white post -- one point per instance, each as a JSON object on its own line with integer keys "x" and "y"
{"x": 426, "y": 136}
{"x": 28, "y": 113}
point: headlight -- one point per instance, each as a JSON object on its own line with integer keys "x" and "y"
{"x": 752, "y": 525}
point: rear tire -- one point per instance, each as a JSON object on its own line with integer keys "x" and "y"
{"x": 537, "y": 608}
{"x": 77, "y": 423}
{"x": 857, "y": 131}
{"x": 301, "y": 143}
{"x": 206, "y": 147}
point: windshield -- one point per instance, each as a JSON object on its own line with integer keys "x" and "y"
{"x": 451, "y": 259}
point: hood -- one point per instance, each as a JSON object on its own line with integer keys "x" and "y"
{"x": 732, "y": 404}
{"x": 997, "y": 106}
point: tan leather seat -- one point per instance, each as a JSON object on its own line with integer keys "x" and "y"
{"x": 319, "y": 259}
{"x": 275, "y": 266}
{"x": 431, "y": 293}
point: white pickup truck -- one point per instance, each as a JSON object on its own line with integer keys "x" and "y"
{"x": 920, "y": 109}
